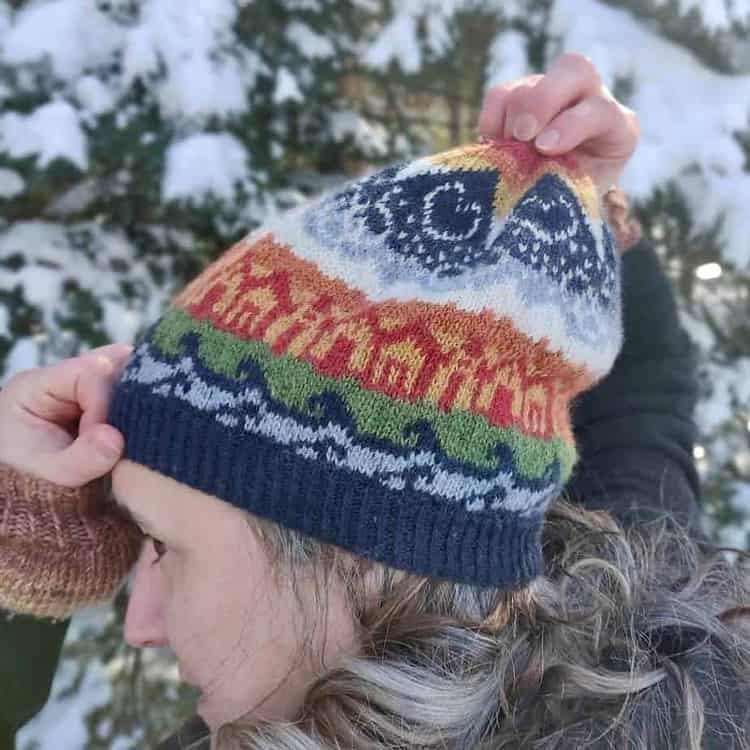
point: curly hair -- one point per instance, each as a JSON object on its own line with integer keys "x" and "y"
{"x": 633, "y": 638}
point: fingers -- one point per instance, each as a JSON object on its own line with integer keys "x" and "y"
{"x": 594, "y": 116}
{"x": 54, "y": 418}
{"x": 95, "y": 386}
{"x": 91, "y": 455}
{"x": 571, "y": 79}
{"x": 73, "y": 387}
{"x": 81, "y": 387}
{"x": 495, "y": 103}
{"x": 523, "y": 108}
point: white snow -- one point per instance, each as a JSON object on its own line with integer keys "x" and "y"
{"x": 699, "y": 330}
{"x": 66, "y": 718}
{"x": 397, "y": 40}
{"x": 713, "y": 411}
{"x": 309, "y": 42}
{"x": 51, "y": 131}
{"x": 72, "y": 34}
{"x": 23, "y": 355}
{"x": 508, "y": 58}
{"x": 122, "y": 325}
{"x": 671, "y": 87}
{"x": 4, "y": 20}
{"x": 287, "y": 88}
{"x": 62, "y": 723}
{"x": 738, "y": 535}
{"x": 11, "y": 183}
{"x": 200, "y": 80}
{"x": 191, "y": 62}
{"x": 369, "y": 136}
{"x": 204, "y": 164}
{"x": 94, "y": 96}
{"x": 140, "y": 57}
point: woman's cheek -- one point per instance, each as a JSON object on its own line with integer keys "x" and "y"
{"x": 179, "y": 584}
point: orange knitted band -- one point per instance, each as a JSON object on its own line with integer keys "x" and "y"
{"x": 60, "y": 548}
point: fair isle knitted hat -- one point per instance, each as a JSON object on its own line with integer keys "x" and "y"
{"x": 390, "y": 367}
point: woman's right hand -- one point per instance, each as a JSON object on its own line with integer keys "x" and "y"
{"x": 601, "y": 132}
{"x": 52, "y": 419}
{"x": 572, "y": 101}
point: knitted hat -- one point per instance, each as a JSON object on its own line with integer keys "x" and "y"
{"x": 390, "y": 367}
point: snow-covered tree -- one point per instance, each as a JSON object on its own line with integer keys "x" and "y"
{"x": 138, "y": 139}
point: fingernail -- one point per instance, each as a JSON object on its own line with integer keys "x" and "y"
{"x": 525, "y": 127}
{"x": 548, "y": 139}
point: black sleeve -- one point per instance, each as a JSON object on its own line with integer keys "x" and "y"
{"x": 29, "y": 652}
{"x": 635, "y": 429}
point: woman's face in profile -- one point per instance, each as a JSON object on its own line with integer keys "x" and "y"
{"x": 205, "y": 590}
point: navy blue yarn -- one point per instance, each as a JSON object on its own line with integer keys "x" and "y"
{"x": 407, "y": 529}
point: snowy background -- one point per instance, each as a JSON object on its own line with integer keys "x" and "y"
{"x": 138, "y": 138}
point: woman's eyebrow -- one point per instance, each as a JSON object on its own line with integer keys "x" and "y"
{"x": 131, "y": 515}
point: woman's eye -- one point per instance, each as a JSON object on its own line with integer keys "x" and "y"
{"x": 159, "y": 547}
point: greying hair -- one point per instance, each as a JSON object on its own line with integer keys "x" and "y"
{"x": 633, "y": 638}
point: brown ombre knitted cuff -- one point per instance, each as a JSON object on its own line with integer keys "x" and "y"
{"x": 60, "y": 548}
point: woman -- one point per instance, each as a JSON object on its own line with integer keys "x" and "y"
{"x": 337, "y": 563}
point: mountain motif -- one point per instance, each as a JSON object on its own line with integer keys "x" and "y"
{"x": 447, "y": 224}
{"x": 547, "y": 231}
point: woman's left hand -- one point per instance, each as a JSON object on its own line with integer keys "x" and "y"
{"x": 572, "y": 101}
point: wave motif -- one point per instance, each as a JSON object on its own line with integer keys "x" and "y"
{"x": 249, "y": 408}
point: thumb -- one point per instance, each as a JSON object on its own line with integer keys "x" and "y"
{"x": 90, "y": 456}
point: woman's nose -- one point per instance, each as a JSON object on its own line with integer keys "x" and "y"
{"x": 144, "y": 621}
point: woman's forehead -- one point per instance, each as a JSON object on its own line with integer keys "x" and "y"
{"x": 158, "y": 501}
{"x": 130, "y": 478}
